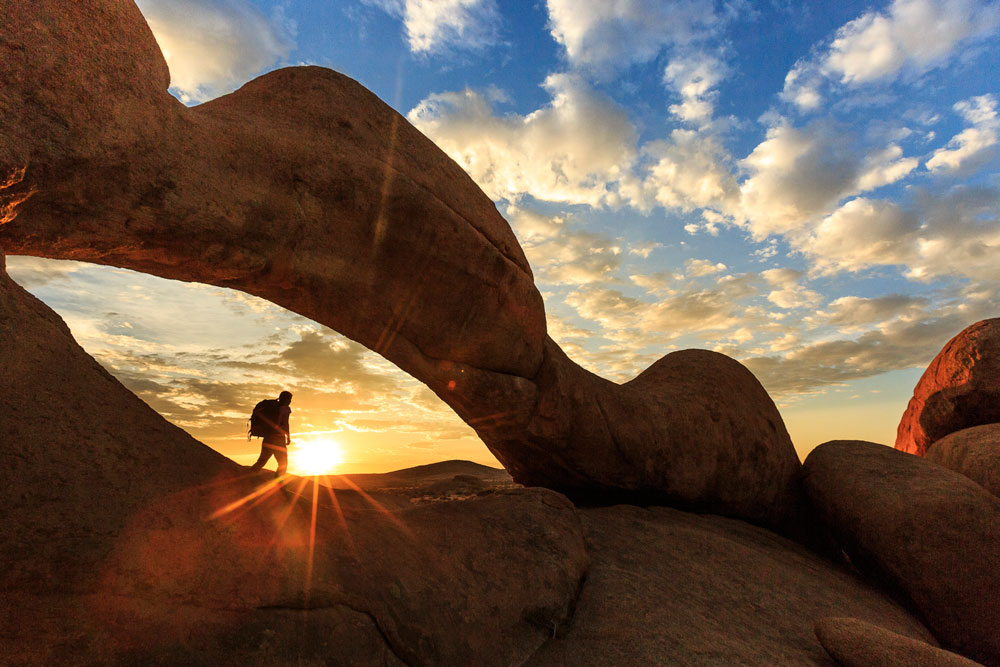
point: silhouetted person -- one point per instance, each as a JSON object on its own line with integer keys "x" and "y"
{"x": 279, "y": 437}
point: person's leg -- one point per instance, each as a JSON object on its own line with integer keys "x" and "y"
{"x": 281, "y": 456}
{"x": 265, "y": 454}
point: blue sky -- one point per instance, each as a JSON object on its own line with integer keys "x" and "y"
{"x": 812, "y": 188}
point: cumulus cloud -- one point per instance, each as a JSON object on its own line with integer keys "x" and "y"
{"x": 703, "y": 267}
{"x": 910, "y": 36}
{"x": 574, "y": 149}
{"x": 333, "y": 360}
{"x": 788, "y": 293}
{"x": 796, "y": 174}
{"x": 688, "y": 309}
{"x": 852, "y": 312}
{"x": 863, "y": 233}
{"x": 214, "y": 46}
{"x": 974, "y": 144}
{"x": 897, "y": 345}
{"x": 694, "y": 77}
{"x": 606, "y": 35}
{"x": 432, "y": 25}
{"x": 955, "y": 232}
{"x": 691, "y": 170}
{"x": 562, "y": 254}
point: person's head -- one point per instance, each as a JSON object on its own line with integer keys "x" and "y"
{"x": 285, "y": 397}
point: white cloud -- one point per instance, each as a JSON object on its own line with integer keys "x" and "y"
{"x": 863, "y": 233}
{"x": 572, "y": 150}
{"x": 972, "y": 144}
{"x": 689, "y": 171}
{"x": 214, "y": 46}
{"x": 914, "y": 33}
{"x": 899, "y": 343}
{"x": 912, "y": 36}
{"x": 852, "y": 312}
{"x": 606, "y": 35}
{"x": 956, "y": 233}
{"x": 691, "y": 310}
{"x": 432, "y": 25}
{"x": 789, "y": 293}
{"x": 562, "y": 254}
{"x": 885, "y": 167}
{"x": 703, "y": 267}
{"x": 531, "y": 226}
{"x": 694, "y": 78}
{"x": 797, "y": 174}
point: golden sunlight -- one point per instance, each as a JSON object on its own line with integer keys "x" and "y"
{"x": 10, "y": 202}
{"x": 314, "y": 457}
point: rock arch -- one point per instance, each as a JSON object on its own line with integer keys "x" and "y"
{"x": 305, "y": 189}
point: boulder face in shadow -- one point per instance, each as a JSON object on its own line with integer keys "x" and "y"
{"x": 959, "y": 389}
{"x": 929, "y": 533}
{"x": 667, "y": 587}
{"x": 305, "y": 189}
{"x": 973, "y": 452}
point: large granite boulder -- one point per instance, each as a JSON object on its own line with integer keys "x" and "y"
{"x": 973, "y": 452}
{"x": 931, "y": 534}
{"x": 960, "y": 389}
{"x": 671, "y": 588}
{"x": 855, "y": 643}
{"x": 305, "y": 189}
{"x": 128, "y": 542}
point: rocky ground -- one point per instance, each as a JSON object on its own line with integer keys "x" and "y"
{"x": 127, "y": 542}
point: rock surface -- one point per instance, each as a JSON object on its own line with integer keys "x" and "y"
{"x": 855, "y": 643}
{"x": 973, "y": 452}
{"x": 959, "y": 389}
{"x": 128, "y": 542}
{"x": 303, "y": 188}
{"x": 930, "y": 533}
{"x": 671, "y": 588}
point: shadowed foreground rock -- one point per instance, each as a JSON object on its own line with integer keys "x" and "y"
{"x": 671, "y": 588}
{"x": 931, "y": 533}
{"x": 959, "y": 389}
{"x": 973, "y": 452}
{"x": 855, "y": 643}
{"x": 303, "y": 188}
{"x": 128, "y": 542}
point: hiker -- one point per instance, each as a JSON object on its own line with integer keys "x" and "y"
{"x": 270, "y": 420}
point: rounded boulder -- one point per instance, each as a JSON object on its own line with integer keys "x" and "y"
{"x": 959, "y": 389}
{"x": 973, "y": 452}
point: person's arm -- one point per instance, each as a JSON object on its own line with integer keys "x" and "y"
{"x": 285, "y": 428}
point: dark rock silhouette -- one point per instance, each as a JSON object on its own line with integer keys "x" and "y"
{"x": 855, "y": 643}
{"x": 114, "y": 535}
{"x": 959, "y": 389}
{"x": 926, "y": 531}
{"x": 973, "y": 452}
{"x": 671, "y": 588}
{"x": 303, "y": 188}
{"x": 131, "y": 543}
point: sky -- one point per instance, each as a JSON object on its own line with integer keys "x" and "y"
{"x": 810, "y": 188}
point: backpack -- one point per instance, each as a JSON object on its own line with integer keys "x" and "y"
{"x": 264, "y": 420}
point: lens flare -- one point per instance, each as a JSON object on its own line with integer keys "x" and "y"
{"x": 314, "y": 457}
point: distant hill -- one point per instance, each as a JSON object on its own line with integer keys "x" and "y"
{"x": 422, "y": 475}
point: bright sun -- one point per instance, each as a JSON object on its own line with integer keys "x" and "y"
{"x": 314, "y": 457}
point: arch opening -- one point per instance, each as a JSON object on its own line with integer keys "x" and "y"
{"x": 202, "y": 356}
